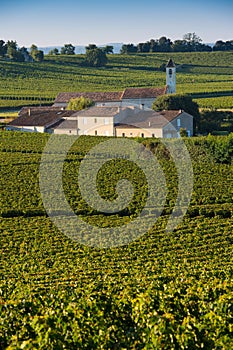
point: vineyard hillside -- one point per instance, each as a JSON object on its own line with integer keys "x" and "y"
{"x": 207, "y": 76}
{"x": 163, "y": 290}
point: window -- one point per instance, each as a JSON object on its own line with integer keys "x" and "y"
{"x": 178, "y": 122}
{"x": 96, "y": 133}
{"x": 123, "y": 134}
{"x": 170, "y": 72}
{"x": 95, "y": 120}
{"x": 153, "y": 135}
{"x": 142, "y": 135}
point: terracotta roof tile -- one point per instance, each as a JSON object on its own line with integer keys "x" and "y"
{"x": 64, "y": 97}
{"x": 39, "y": 116}
{"x": 143, "y": 92}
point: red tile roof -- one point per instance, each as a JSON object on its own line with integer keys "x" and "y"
{"x": 39, "y": 116}
{"x": 64, "y": 97}
{"x": 142, "y": 93}
{"x": 115, "y": 96}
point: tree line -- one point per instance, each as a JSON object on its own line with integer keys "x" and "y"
{"x": 190, "y": 43}
{"x": 69, "y": 49}
{"x": 97, "y": 56}
{"x": 94, "y": 57}
{"x": 12, "y": 51}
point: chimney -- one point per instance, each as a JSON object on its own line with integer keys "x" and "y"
{"x": 149, "y": 124}
{"x": 29, "y": 112}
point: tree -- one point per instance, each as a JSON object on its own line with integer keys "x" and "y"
{"x": 33, "y": 48}
{"x": 153, "y": 45}
{"x": 128, "y": 48}
{"x": 180, "y": 46}
{"x": 68, "y": 49}
{"x": 54, "y": 51}
{"x": 11, "y": 49}
{"x": 37, "y": 55}
{"x": 143, "y": 47}
{"x": 229, "y": 45}
{"x": 223, "y": 46}
{"x": 107, "y": 49}
{"x": 79, "y": 103}
{"x": 178, "y": 101}
{"x": 95, "y": 58}
{"x": 164, "y": 44}
{"x": 193, "y": 41}
{"x": 3, "y": 48}
{"x": 15, "y": 55}
{"x": 213, "y": 120}
{"x": 13, "y": 52}
{"x": 91, "y": 47}
{"x": 27, "y": 57}
{"x": 183, "y": 132}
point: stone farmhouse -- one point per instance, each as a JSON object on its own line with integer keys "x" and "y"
{"x": 143, "y": 97}
{"x": 103, "y": 121}
{"x": 38, "y": 119}
{"x": 125, "y": 113}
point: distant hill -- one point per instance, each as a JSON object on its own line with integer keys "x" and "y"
{"x": 81, "y": 49}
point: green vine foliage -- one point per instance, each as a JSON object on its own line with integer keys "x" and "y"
{"x": 163, "y": 291}
{"x": 205, "y": 76}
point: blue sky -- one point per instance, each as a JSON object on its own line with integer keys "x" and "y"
{"x": 51, "y": 23}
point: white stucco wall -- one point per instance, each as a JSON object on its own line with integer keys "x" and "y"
{"x": 184, "y": 121}
{"x": 124, "y": 103}
{"x": 136, "y": 132}
{"x": 65, "y": 131}
{"x": 96, "y": 125}
{"x": 147, "y": 102}
{"x": 171, "y": 80}
{"x": 26, "y": 128}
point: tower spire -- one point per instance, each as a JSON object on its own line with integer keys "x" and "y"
{"x": 171, "y": 77}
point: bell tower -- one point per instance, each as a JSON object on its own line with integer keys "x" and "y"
{"x": 171, "y": 77}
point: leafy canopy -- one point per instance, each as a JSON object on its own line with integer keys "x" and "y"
{"x": 95, "y": 57}
{"x": 178, "y": 101}
{"x": 68, "y": 49}
{"x": 37, "y": 55}
{"x": 79, "y": 103}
